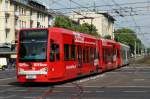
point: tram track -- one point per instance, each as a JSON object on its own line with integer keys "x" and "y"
{"x": 46, "y": 93}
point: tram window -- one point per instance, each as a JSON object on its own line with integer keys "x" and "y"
{"x": 66, "y": 52}
{"x": 52, "y": 49}
{"x": 73, "y": 52}
{"x": 57, "y": 52}
{"x": 88, "y": 58}
{"x": 91, "y": 54}
{"x": 80, "y": 52}
{"x": 96, "y": 54}
{"x": 84, "y": 55}
{"x": 105, "y": 55}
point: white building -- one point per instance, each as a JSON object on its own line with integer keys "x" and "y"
{"x": 103, "y": 21}
{"x": 16, "y": 14}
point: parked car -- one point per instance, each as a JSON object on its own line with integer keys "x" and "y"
{"x": 3, "y": 63}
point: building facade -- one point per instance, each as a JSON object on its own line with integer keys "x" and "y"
{"x": 17, "y": 14}
{"x": 103, "y": 21}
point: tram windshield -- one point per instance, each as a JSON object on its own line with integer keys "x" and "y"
{"x": 33, "y": 45}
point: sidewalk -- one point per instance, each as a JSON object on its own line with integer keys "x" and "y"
{"x": 136, "y": 59}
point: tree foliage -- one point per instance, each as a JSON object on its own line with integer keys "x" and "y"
{"x": 107, "y": 37}
{"x": 148, "y": 50}
{"x": 65, "y": 22}
{"x": 128, "y": 37}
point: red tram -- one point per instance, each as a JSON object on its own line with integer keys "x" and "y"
{"x": 57, "y": 54}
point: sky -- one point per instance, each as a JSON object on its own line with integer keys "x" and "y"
{"x": 134, "y": 14}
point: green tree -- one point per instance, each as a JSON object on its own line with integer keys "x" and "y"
{"x": 65, "y": 22}
{"x": 107, "y": 37}
{"x": 128, "y": 37}
{"x": 148, "y": 50}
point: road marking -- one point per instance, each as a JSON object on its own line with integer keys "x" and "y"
{"x": 7, "y": 78}
{"x": 100, "y": 91}
{"x": 138, "y": 79}
{"x": 106, "y": 86}
{"x": 135, "y": 91}
{"x": 91, "y": 78}
{"x": 9, "y": 89}
{"x": 10, "y": 96}
{"x": 127, "y": 86}
{"x": 5, "y": 85}
{"x": 30, "y": 97}
{"x": 136, "y": 67}
{"x": 129, "y": 72}
{"x": 58, "y": 91}
{"x": 20, "y": 90}
{"x": 87, "y": 91}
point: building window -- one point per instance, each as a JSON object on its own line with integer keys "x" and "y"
{"x": 16, "y": 8}
{"x": 22, "y": 24}
{"x": 16, "y": 22}
{"x": 6, "y": 5}
{"x": 25, "y": 24}
{"x": 38, "y": 15}
{"x": 7, "y": 33}
{"x": 38, "y": 24}
{"x": 16, "y": 35}
{"x": 6, "y": 20}
{"x": 31, "y": 12}
{"x": 22, "y": 11}
{"x": 31, "y": 24}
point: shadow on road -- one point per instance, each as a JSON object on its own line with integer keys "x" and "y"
{"x": 38, "y": 84}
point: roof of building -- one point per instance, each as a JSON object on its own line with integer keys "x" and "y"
{"x": 33, "y": 5}
{"x": 108, "y": 16}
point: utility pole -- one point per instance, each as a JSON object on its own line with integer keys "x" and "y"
{"x": 139, "y": 49}
{"x": 135, "y": 49}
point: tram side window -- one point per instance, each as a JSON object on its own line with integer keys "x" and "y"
{"x": 54, "y": 52}
{"x": 118, "y": 54}
{"x": 88, "y": 60}
{"x": 105, "y": 54}
{"x": 66, "y": 52}
{"x": 91, "y": 55}
{"x": 96, "y": 54}
{"x": 84, "y": 55}
{"x": 57, "y": 52}
{"x": 73, "y": 52}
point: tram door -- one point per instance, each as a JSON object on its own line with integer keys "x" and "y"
{"x": 55, "y": 60}
{"x": 79, "y": 56}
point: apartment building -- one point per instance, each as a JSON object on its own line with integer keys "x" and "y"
{"x": 16, "y": 14}
{"x": 103, "y": 21}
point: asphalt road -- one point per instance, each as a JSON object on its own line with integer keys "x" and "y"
{"x": 130, "y": 82}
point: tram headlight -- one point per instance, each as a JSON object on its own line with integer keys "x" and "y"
{"x": 20, "y": 71}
